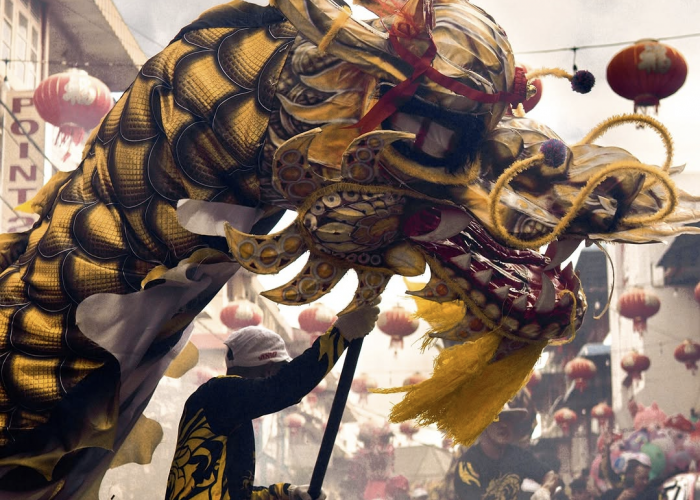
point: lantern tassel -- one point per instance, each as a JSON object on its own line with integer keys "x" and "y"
{"x": 466, "y": 391}
{"x": 70, "y": 133}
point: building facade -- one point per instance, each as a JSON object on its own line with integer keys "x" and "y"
{"x": 41, "y": 38}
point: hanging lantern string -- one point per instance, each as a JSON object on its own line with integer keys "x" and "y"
{"x": 73, "y": 64}
{"x": 604, "y": 45}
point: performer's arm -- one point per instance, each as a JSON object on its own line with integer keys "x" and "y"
{"x": 255, "y": 397}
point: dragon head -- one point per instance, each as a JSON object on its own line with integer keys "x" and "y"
{"x": 391, "y": 142}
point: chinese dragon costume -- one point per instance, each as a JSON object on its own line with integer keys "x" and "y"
{"x": 399, "y": 144}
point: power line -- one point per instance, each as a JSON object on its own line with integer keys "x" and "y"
{"x": 605, "y": 45}
{"x": 29, "y": 137}
{"x": 73, "y": 64}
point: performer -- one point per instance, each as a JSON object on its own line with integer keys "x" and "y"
{"x": 215, "y": 454}
{"x": 494, "y": 468}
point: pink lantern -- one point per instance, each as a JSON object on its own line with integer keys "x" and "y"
{"x": 316, "y": 319}
{"x": 294, "y": 422}
{"x": 397, "y": 323}
{"x": 414, "y": 379}
{"x": 566, "y": 419}
{"x": 688, "y": 352}
{"x": 580, "y": 370}
{"x": 634, "y": 364}
{"x": 241, "y": 313}
{"x": 73, "y": 101}
{"x": 409, "y": 428}
{"x": 638, "y": 305}
{"x": 603, "y": 414}
{"x": 362, "y": 385}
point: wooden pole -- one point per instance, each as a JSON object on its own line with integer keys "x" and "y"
{"x": 336, "y": 415}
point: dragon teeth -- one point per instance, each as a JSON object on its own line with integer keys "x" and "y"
{"x": 521, "y": 302}
{"x": 463, "y": 261}
{"x": 568, "y": 271}
{"x": 562, "y": 251}
{"x": 502, "y": 292}
{"x": 548, "y": 296}
{"x": 484, "y": 277}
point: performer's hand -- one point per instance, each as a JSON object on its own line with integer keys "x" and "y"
{"x": 551, "y": 481}
{"x": 302, "y": 493}
{"x": 360, "y": 322}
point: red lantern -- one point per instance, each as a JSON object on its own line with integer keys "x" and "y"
{"x": 566, "y": 419}
{"x": 697, "y": 292}
{"x": 414, "y": 379}
{"x": 73, "y": 101}
{"x": 409, "y": 428}
{"x": 294, "y": 422}
{"x": 580, "y": 370}
{"x": 241, "y": 313}
{"x": 531, "y": 102}
{"x": 316, "y": 319}
{"x": 689, "y": 353}
{"x": 602, "y": 413}
{"x": 634, "y": 364}
{"x": 398, "y": 323}
{"x": 647, "y": 72}
{"x": 362, "y": 385}
{"x": 638, "y": 305}
{"x": 534, "y": 380}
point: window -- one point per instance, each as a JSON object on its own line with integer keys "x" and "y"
{"x": 33, "y": 65}
{"x": 36, "y": 9}
{"x": 6, "y": 43}
{"x": 6, "y": 51}
{"x": 21, "y": 47}
{"x": 9, "y": 10}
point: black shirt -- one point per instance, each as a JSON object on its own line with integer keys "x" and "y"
{"x": 215, "y": 453}
{"x": 480, "y": 477}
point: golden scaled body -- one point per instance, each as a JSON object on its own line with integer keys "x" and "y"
{"x": 190, "y": 127}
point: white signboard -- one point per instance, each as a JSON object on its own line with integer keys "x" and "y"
{"x": 22, "y": 164}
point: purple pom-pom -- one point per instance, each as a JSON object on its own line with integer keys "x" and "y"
{"x": 582, "y": 81}
{"x": 554, "y": 152}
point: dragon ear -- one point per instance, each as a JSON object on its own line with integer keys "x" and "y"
{"x": 420, "y": 14}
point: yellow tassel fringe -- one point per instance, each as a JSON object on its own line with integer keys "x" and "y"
{"x": 466, "y": 392}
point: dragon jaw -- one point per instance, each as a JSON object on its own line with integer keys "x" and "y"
{"x": 358, "y": 218}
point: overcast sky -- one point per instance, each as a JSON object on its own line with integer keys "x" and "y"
{"x": 542, "y": 25}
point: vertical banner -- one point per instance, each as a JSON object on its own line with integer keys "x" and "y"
{"x": 22, "y": 163}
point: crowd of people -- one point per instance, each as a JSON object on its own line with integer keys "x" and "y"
{"x": 262, "y": 378}
{"x": 631, "y": 465}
